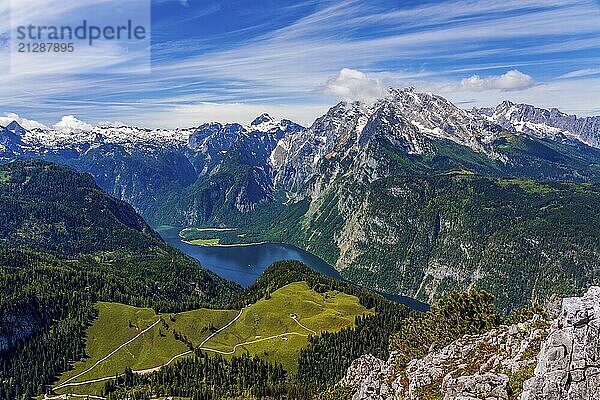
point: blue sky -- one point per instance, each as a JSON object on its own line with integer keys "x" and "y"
{"x": 231, "y": 60}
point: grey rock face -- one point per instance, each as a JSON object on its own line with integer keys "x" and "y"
{"x": 482, "y": 366}
{"x": 297, "y": 156}
{"x": 472, "y": 367}
{"x": 367, "y": 376}
{"x": 409, "y": 120}
{"x": 488, "y": 386}
{"x": 476, "y": 367}
{"x": 569, "y": 362}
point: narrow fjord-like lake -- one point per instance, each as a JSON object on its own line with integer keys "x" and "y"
{"x": 244, "y": 264}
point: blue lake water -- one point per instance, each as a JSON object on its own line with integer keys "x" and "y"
{"x": 244, "y": 264}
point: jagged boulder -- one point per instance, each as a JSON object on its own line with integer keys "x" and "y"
{"x": 488, "y": 386}
{"x": 569, "y": 361}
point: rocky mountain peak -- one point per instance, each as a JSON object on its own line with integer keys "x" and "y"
{"x": 340, "y": 111}
{"x": 401, "y": 91}
{"x": 265, "y": 124}
{"x": 15, "y": 128}
{"x": 506, "y": 104}
{"x": 11, "y": 138}
{"x": 544, "y": 123}
{"x": 261, "y": 119}
{"x": 412, "y": 121}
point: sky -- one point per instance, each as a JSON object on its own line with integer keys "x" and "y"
{"x": 209, "y": 60}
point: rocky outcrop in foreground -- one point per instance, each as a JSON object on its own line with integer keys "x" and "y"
{"x": 370, "y": 378}
{"x": 568, "y": 365}
{"x": 528, "y": 361}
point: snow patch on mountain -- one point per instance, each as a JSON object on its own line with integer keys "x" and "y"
{"x": 72, "y": 134}
{"x": 410, "y": 120}
{"x": 7, "y": 118}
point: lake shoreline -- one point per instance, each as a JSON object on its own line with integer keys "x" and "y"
{"x": 226, "y": 245}
{"x": 244, "y": 262}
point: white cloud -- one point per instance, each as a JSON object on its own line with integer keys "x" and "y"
{"x": 25, "y": 123}
{"x": 69, "y": 123}
{"x": 273, "y": 67}
{"x": 564, "y": 94}
{"x": 581, "y": 72}
{"x": 351, "y": 84}
{"x": 510, "y": 81}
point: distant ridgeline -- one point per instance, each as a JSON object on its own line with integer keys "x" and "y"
{"x": 410, "y": 195}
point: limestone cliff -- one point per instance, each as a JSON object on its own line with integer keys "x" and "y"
{"x": 527, "y": 361}
{"x": 568, "y": 365}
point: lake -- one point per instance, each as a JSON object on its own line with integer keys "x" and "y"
{"x": 244, "y": 264}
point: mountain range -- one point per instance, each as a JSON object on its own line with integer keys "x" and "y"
{"x": 410, "y": 194}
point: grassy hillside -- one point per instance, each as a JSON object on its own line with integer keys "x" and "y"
{"x": 118, "y": 324}
{"x": 235, "y": 363}
{"x": 315, "y": 312}
{"x": 265, "y": 328}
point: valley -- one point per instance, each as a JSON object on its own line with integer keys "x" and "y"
{"x": 243, "y": 263}
{"x": 409, "y": 195}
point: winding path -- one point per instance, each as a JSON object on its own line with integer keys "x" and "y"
{"x": 106, "y": 378}
{"x": 66, "y": 383}
{"x": 295, "y": 318}
{"x": 66, "y": 396}
{"x": 185, "y": 353}
{"x": 252, "y": 341}
{"x": 223, "y": 328}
